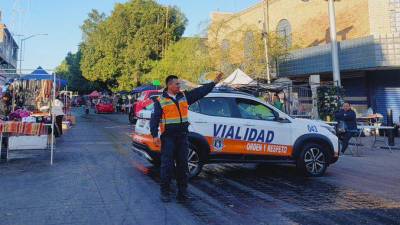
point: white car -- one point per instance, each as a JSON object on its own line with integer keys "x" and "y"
{"x": 229, "y": 126}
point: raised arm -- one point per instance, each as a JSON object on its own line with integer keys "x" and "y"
{"x": 198, "y": 93}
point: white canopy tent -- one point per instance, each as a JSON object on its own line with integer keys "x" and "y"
{"x": 238, "y": 77}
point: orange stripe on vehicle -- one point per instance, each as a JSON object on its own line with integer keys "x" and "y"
{"x": 145, "y": 139}
{"x": 229, "y": 146}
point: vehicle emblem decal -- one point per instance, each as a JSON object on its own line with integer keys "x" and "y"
{"x": 218, "y": 144}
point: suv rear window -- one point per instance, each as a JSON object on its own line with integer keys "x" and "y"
{"x": 213, "y": 107}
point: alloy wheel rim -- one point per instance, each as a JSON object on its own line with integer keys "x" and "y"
{"x": 193, "y": 160}
{"x": 314, "y": 160}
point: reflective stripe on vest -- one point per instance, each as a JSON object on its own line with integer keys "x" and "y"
{"x": 171, "y": 113}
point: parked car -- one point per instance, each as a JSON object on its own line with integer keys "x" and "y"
{"x": 104, "y": 105}
{"x": 235, "y": 127}
{"x": 144, "y": 100}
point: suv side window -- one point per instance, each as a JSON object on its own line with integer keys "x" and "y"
{"x": 195, "y": 107}
{"x": 250, "y": 109}
{"x": 215, "y": 107}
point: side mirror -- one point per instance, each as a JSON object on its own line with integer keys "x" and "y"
{"x": 282, "y": 120}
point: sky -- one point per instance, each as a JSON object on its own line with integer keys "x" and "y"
{"x": 61, "y": 19}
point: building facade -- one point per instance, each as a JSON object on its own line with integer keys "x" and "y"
{"x": 8, "y": 53}
{"x": 368, "y": 32}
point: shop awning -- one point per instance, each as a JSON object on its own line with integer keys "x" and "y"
{"x": 144, "y": 88}
{"x": 41, "y": 74}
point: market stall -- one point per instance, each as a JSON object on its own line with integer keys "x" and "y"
{"x": 67, "y": 98}
{"x": 28, "y": 118}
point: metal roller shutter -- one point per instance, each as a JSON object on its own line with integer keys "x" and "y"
{"x": 388, "y": 98}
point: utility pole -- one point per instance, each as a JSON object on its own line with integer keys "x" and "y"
{"x": 334, "y": 44}
{"x": 265, "y": 36}
{"x": 20, "y": 57}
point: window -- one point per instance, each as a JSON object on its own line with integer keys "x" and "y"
{"x": 250, "y": 109}
{"x": 285, "y": 31}
{"x": 225, "y": 45}
{"x": 249, "y": 45}
{"x": 215, "y": 107}
{"x": 195, "y": 107}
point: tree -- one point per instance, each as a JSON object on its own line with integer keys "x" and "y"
{"x": 123, "y": 47}
{"x": 187, "y": 58}
{"x": 69, "y": 69}
{"x": 91, "y": 23}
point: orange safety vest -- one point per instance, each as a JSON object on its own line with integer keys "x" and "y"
{"x": 172, "y": 114}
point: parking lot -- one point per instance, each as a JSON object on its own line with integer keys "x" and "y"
{"x": 98, "y": 179}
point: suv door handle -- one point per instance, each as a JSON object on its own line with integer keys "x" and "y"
{"x": 249, "y": 125}
{"x": 199, "y": 122}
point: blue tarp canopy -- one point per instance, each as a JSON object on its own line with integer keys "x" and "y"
{"x": 41, "y": 74}
{"x": 144, "y": 88}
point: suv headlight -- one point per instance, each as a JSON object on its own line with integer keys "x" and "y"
{"x": 330, "y": 129}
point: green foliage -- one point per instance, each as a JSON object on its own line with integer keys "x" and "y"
{"x": 187, "y": 58}
{"x": 330, "y": 99}
{"x": 70, "y": 70}
{"x": 90, "y": 24}
{"x": 121, "y": 48}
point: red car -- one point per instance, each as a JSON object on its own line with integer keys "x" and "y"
{"x": 104, "y": 105}
{"x": 145, "y": 99}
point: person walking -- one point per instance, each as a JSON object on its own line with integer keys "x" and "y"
{"x": 59, "y": 114}
{"x": 171, "y": 115}
{"x": 346, "y": 118}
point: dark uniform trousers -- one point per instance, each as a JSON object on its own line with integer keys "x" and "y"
{"x": 174, "y": 149}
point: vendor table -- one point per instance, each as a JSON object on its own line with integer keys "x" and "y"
{"x": 16, "y": 129}
{"x": 371, "y": 119}
{"x": 376, "y": 140}
{"x": 376, "y": 134}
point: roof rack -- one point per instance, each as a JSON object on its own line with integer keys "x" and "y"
{"x": 227, "y": 89}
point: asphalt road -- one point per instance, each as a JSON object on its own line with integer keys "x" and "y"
{"x": 97, "y": 179}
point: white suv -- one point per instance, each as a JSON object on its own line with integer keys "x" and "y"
{"x": 230, "y": 126}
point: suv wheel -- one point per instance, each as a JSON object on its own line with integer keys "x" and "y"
{"x": 313, "y": 160}
{"x": 195, "y": 162}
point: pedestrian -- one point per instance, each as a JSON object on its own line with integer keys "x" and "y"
{"x": 347, "y": 124}
{"x": 277, "y": 102}
{"x": 59, "y": 114}
{"x": 171, "y": 115}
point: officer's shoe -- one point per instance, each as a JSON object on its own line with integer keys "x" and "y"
{"x": 182, "y": 196}
{"x": 165, "y": 196}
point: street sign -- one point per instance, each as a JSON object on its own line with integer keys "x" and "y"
{"x": 156, "y": 82}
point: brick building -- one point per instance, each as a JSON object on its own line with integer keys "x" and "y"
{"x": 368, "y": 32}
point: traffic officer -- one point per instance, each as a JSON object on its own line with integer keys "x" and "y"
{"x": 171, "y": 115}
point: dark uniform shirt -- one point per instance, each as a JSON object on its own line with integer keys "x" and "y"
{"x": 348, "y": 117}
